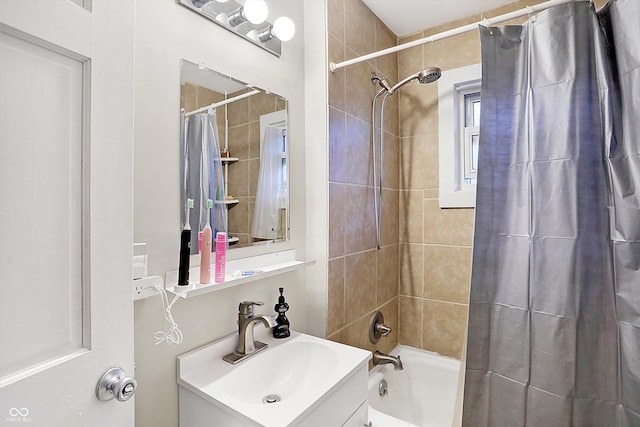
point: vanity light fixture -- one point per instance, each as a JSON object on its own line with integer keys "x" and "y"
{"x": 254, "y": 11}
{"x": 236, "y": 18}
{"x": 246, "y": 20}
{"x": 283, "y": 28}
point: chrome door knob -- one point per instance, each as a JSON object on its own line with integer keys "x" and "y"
{"x": 115, "y": 383}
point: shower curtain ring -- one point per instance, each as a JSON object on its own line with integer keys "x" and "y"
{"x": 530, "y": 12}
{"x": 485, "y": 22}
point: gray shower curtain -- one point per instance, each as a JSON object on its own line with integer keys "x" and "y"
{"x": 554, "y": 313}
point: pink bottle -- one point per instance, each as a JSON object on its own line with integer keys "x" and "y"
{"x": 221, "y": 255}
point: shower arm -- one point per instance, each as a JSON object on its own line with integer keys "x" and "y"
{"x": 404, "y": 81}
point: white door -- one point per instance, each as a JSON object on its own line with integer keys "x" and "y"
{"x": 66, "y": 142}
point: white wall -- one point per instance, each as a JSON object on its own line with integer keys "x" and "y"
{"x": 317, "y": 150}
{"x": 165, "y": 33}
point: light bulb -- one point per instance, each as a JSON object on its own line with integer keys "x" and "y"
{"x": 255, "y": 11}
{"x": 284, "y": 28}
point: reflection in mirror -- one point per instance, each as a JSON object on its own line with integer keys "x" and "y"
{"x": 234, "y": 150}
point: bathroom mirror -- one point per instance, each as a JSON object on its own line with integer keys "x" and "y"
{"x": 234, "y": 150}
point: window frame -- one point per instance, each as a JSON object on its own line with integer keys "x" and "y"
{"x": 452, "y": 88}
{"x": 469, "y": 94}
{"x": 466, "y": 149}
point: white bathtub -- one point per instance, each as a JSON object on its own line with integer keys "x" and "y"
{"x": 423, "y": 394}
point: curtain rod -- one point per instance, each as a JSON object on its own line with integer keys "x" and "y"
{"x": 221, "y": 103}
{"x": 454, "y": 32}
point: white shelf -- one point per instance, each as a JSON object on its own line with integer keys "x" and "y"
{"x": 227, "y": 202}
{"x": 269, "y": 265}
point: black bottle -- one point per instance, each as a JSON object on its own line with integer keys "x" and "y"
{"x": 281, "y": 330}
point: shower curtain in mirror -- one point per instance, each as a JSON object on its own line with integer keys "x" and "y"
{"x": 266, "y": 215}
{"x": 201, "y": 172}
{"x": 554, "y": 314}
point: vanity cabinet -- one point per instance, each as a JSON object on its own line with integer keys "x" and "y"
{"x": 345, "y": 406}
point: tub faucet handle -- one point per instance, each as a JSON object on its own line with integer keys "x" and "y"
{"x": 377, "y": 328}
{"x": 383, "y": 329}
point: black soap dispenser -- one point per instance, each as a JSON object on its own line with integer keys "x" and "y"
{"x": 281, "y": 330}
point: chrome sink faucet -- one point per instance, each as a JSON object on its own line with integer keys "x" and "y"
{"x": 247, "y": 320}
{"x": 381, "y": 359}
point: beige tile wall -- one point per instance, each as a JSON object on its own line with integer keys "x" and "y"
{"x": 361, "y": 278}
{"x": 193, "y": 97}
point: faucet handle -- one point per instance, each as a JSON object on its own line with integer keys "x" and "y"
{"x": 383, "y": 329}
{"x": 246, "y": 307}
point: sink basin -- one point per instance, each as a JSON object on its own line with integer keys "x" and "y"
{"x": 290, "y": 370}
{"x": 276, "y": 387}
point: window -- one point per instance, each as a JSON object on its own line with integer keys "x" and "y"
{"x": 469, "y": 110}
{"x": 459, "y": 120}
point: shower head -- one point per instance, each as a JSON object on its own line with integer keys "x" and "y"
{"x": 428, "y": 75}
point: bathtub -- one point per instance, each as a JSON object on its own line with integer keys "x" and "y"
{"x": 422, "y": 395}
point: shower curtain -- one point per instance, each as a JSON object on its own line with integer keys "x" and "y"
{"x": 201, "y": 172}
{"x": 554, "y": 313}
{"x": 266, "y": 217}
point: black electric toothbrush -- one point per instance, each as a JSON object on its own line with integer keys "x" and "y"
{"x": 185, "y": 249}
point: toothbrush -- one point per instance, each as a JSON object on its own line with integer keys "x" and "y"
{"x": 205, "y": 255}
{"x": 185, "y": 248}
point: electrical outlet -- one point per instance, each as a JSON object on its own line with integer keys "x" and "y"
{"x": 144, "y": 287}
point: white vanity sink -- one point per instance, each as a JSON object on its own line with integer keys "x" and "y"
{"x": 313, "y": 382}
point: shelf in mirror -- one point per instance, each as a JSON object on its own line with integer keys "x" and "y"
{"x": 263, "y": 266}
{"x": 227, "y": 202}
{"x": 229, "y": 159}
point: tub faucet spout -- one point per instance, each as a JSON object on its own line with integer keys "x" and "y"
{"x": 381, "y": 359}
